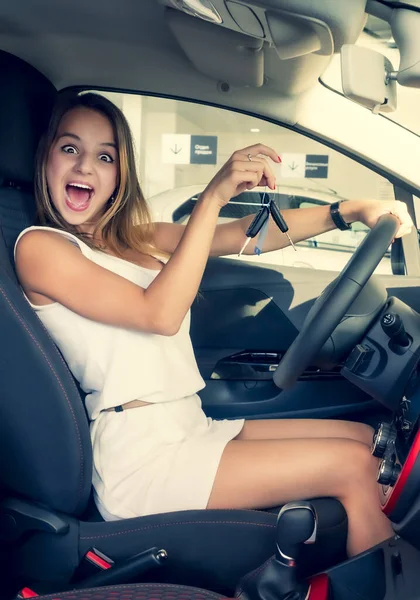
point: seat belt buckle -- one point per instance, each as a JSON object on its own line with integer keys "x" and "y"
{"x": 93, "y": 562}
{"x": 26, "y": 592}
{"x": 98, "y": 559}
{"x": 97, "y": 569}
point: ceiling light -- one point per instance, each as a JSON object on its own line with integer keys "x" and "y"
{"x": 254, "y": 130}
{"x": 203, "y": 9}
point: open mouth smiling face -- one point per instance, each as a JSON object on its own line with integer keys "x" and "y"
{"x": 82, "y": 166}
{"x": 78, "y": 196}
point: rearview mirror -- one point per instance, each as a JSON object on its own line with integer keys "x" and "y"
{"x": 366, "y": 78}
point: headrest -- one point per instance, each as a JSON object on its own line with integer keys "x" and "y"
{"x": 26, "y": 99}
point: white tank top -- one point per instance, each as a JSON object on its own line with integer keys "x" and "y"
{"x": 114, "y": 365}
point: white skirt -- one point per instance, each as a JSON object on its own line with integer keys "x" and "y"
{"x": 157, "y": 458}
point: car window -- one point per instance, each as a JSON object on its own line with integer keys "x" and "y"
{"x": 181, "y": 145}
{"x": 240, "y": 206}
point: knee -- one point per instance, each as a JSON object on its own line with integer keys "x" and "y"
{"x": 363, "y": 466}
{"x": 366, "y": 433}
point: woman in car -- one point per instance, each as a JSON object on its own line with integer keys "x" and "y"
{"x": 115, "y": 290}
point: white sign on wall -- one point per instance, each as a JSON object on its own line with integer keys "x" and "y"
{"x": 176, "y": 148}
{"x": 293, "y": 165}
{"x": 314, "y": 166}
{"x": 184, "y": 149}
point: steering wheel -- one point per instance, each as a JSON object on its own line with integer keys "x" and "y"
{"x": 332, "y": 305}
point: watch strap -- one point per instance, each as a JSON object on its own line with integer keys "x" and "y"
{"x": 337, "y": 218}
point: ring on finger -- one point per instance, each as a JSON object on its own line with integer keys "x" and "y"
{"x": 250, "y": 157}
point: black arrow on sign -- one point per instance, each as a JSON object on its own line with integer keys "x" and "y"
{"x": 293, "y": 166}
{"x": 175, "y": 150}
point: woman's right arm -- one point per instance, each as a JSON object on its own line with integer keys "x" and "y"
{"x": 50, "y": 265}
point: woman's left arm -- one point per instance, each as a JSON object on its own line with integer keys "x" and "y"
{"x": 304, "y": 223}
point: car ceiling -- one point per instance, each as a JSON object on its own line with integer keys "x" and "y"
{"x": 144, "y": 46}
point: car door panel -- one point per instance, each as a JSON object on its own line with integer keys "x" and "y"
{"x": 307, "y": 399}
{"x": 244, "y": 319}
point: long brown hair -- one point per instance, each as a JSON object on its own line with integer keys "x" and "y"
{"x": 117, "y": 225}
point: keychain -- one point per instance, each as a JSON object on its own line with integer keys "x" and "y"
{"x": 259, "y": 225}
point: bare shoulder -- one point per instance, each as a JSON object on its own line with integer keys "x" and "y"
{"x": 38, "y": 248}
{"x": 38, "y": 242}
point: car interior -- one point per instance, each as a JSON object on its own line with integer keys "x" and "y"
{"x": 270, "y": 341}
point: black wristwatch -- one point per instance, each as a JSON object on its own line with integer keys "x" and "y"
{"x": 337, "y": 218}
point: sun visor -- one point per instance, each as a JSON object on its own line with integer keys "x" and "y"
{"x": 217, "y": 52}
{"x": 296, "y": 35}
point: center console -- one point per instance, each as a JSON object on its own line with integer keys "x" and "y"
{"x": 386, "y": 365}
{"x": 399, "y": 473}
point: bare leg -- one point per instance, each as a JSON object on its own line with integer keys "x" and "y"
{"x": 265, "y": 473}
{"x": 286, "y": 429}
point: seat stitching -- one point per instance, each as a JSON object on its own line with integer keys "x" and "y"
{"x": 160, "y": 525}
{"x": 59, "y": 383}
{"x": 57, "y": 353}
{"x": 95, "y": 537}
{"x": 164, "y": 586}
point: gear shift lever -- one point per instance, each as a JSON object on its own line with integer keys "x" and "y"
{"x": 276, "y": 580}
{"x": 296, "y": 525}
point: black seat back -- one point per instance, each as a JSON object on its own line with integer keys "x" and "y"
{"x": 45, "y": 446}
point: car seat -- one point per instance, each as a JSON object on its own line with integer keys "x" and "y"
{"x": 47, "y": 517}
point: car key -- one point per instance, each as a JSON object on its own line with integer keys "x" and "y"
{"x": 260, "y": 218}
{"x": 280, "y": 222}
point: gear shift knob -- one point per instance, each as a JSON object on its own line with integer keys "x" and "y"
{"x": 296, "y": 525}
{"x": 277, "y": 579}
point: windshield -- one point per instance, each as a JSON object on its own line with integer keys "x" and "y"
{"x": 377, "y": 36}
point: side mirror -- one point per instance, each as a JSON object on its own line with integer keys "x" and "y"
{"x": 368, "y": 78}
